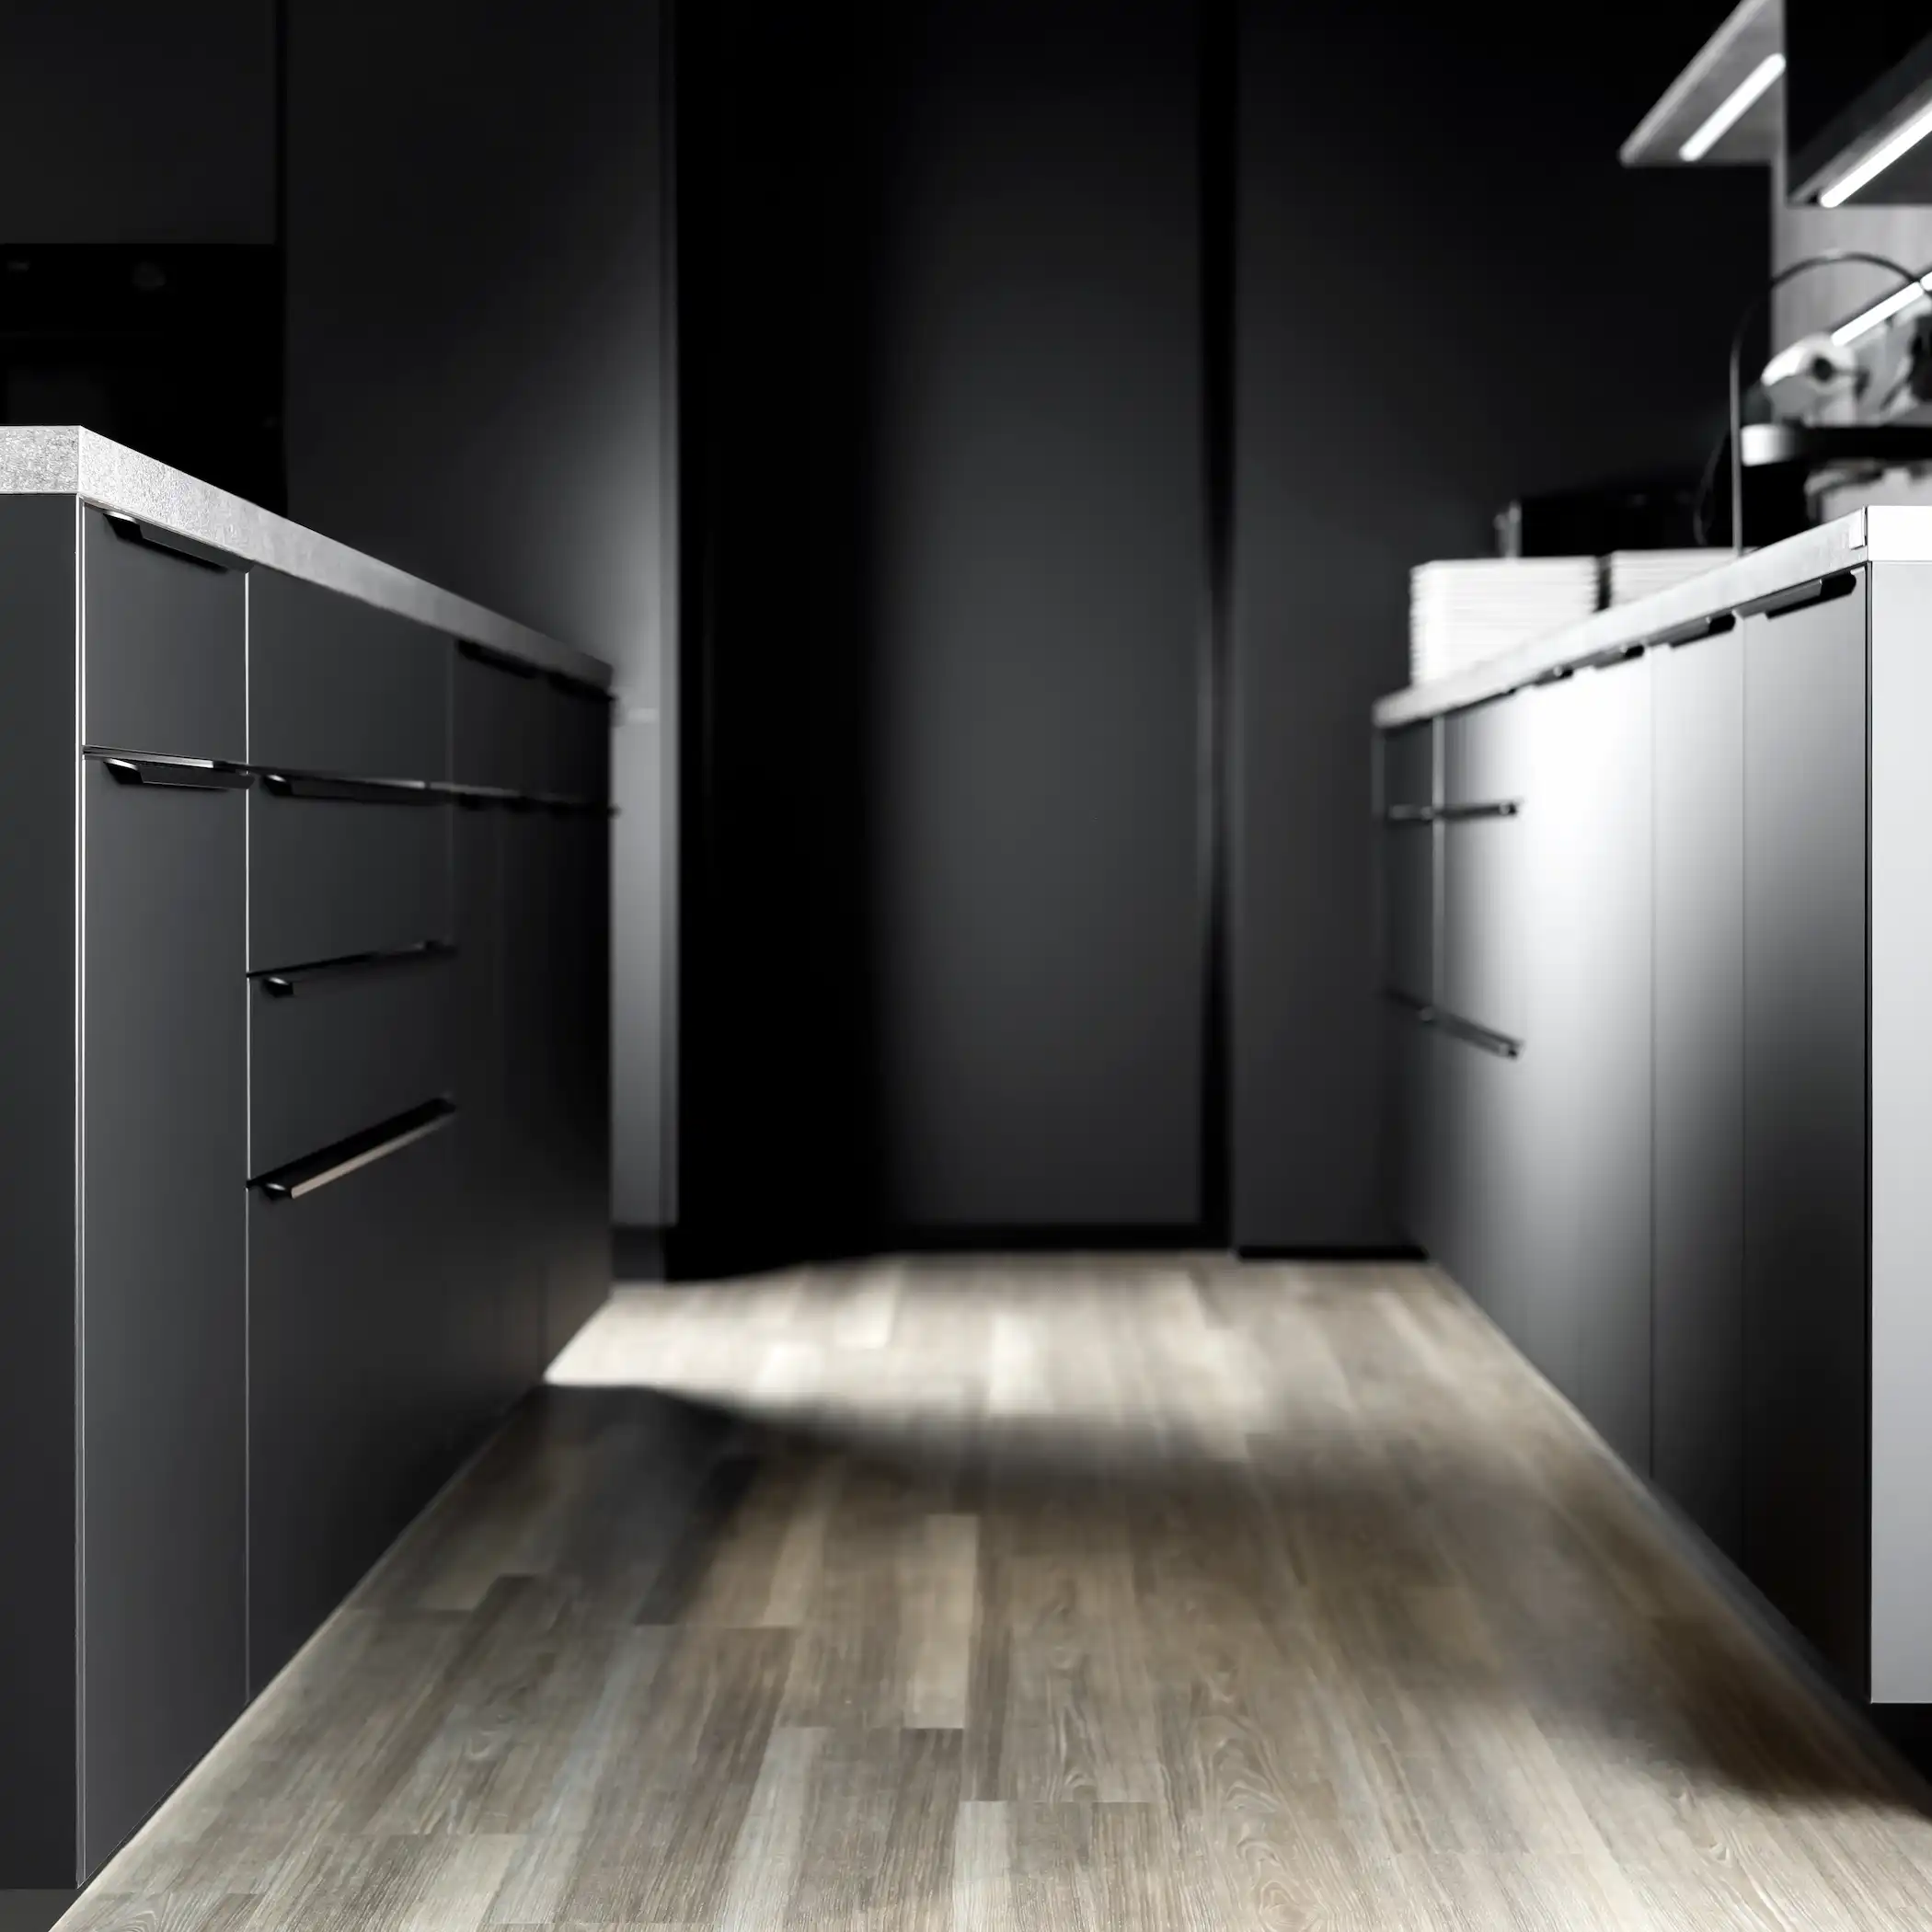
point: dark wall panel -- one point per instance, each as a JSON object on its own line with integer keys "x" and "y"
{"x": 477, "y": 373}
{"x": 1036, "y": 584}
{"x": 1449, "y": 295}
{"x": 125, "y": 121}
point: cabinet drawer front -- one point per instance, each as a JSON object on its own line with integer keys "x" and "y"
{"x": 165, "y": 643}
{"x": 1484, "y": 752}
{"x": 1409, "y": 912}
{"x": 352, "y": 1315}
{"x": 577, "y": 757}
{"x": 163, "y": 1298}
{"x": 330, "y": 880}
{"x": 334, "y": 1051}
{"x": 500, "y": 724}
{"x": 337, "y": 686}
{"x": 1408, "y": 766}
{"x": 1485, "y": 913}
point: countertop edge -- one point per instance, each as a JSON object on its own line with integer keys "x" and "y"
{"x": 63, "y": 461}
{"x": 1889, "y": 534}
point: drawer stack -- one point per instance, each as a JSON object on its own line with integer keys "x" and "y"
{"x": 329, "y": 901}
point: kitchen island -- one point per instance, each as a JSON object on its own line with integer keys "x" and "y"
{"x": 304, "y": 1139}
{"x": 1657, "y": 926}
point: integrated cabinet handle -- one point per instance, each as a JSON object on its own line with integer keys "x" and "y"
{"x": 1500, "y": 808}
{"x": 131, "y": 530}
{"x": 353, "y": 791}
{"x": 176, "y": 774}
{"x": 1473, "y": 1035}
{"x": 345, "y": 1157}
{"x": 1821, "y": 589}
{"x": 364, "y": 966}
{"x": 497, "y": 659}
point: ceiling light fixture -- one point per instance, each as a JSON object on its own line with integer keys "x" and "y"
{"x": 1732, "y": 107}
{"x": 1881, "y": 158}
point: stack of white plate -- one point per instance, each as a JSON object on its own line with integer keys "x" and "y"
{"x": 1630, "y": 574}
{"x": 1466, "y": 612}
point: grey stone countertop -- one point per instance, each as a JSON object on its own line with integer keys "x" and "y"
{"x": 1880, "y": 534}
{"x": 75, "y": 462}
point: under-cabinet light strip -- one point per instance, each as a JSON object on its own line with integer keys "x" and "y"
{"x": 1732, "y": 107}
{"x": 1881, "y": 158}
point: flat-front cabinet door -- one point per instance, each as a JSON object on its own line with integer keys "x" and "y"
{"x": 1587, "y": 1130}
{"x": 163, "y": 1298}
{"x": 1806, "y": 1350}
{"x": 1697, "y": 1422}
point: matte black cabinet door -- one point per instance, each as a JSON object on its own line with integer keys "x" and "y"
{"x": 1409, "y": 863}
{"x": 1806, "y": 1301}
{"x": 1585, "y": 1187}
{"x": 1697, "y": 1311}
{"x": 335, "y": 686}
{"x": 166, "y": 641}
{"x": 350, "y": 1302}
{"x": 164, "y": 1314}
{"x": 1610, "y": 1100}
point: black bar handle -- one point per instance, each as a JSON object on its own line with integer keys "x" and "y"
{"x": 353, "y": 791}
{"x": 1473, "y": 1035}
{"x": 363, "y": 1150}
{"x": 1500, "y": 808}
{"x": 286, "y": 984}
{"x": 1410, "y": 814}
{"x": 1801, "y": 597}
{"x": 176, "y": 774}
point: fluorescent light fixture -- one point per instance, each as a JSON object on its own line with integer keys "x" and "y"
{"x": 1883, "y": 311}
{"x": 1732, "y": 109}
{"x": 1789, "y": 360}
{"x": 1881, "y": 158}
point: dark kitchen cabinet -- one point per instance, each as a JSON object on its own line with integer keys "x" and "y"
{"x": 1697, "y": 1295}
{"x": 165, "y": 638}
{"x": 164, "y": 1303}
{"x": 349, "y": 1291}
{"x": 305, "y": 1125}
{"x": 1585, "y": 1187}
{"x": 1806, "y": 1355}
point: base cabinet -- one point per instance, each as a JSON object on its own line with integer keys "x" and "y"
{"x": 1666, "y": 1197}
{"x": 305, "y": 1125}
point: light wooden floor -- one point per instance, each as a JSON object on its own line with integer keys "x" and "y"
{"x": 1075, "y": 1596}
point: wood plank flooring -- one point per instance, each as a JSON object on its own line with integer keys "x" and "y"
{"x": 1036, "y": 1596}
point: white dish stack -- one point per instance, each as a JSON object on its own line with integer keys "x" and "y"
{"x": 1631, "y": 574}
{"x": 1465, "y": 612}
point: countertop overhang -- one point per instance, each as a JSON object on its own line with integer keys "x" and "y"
{"x": 1888, "y": 534}
{"x": 68, "y": 461}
